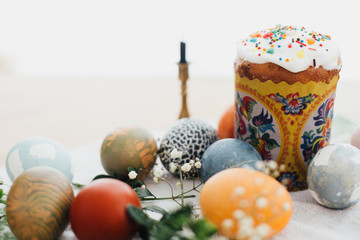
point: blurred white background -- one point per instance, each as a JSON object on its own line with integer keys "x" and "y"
{"x": 74, "y": 70}
{"x": 101, "y": 38}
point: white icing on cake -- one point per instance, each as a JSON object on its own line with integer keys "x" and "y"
{"x": 292, "y": 48}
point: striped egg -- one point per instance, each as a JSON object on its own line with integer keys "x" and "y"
{"x": 38, "y": 204}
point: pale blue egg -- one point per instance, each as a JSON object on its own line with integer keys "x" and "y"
{"x": 38, "y": 151}
{"x": 227, "y": 153}
{"x": 334, "y": 176}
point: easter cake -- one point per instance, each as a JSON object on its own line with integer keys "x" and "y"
{"x": 286, "y": 79}
{"x": 290, "y": 54}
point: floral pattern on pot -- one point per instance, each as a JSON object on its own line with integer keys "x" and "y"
{"x": 313, "y": 140}
{"x": 290, "y": 180}
{"x": 255, "y": 124}
{"x": 293, "y": 104}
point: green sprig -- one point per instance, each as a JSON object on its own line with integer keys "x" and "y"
{"x": 177, "y": 225}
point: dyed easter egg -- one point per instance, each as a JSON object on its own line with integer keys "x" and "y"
{"x": 38, "y": 151}
{"x": 38, "y": 204}
{"x": 226, "y": 127}
{"x": 355, "y": 138}
{"x": 245, "y": 204}
{"x": 128, "y": 147}
{"x": 191, "y": 137}
{"x": 334, "y": 176}
{"x": 227, "y": 153}
{"x": 99, "y": 211}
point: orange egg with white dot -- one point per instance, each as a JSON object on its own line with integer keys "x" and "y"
{"x": 245, "y": 204}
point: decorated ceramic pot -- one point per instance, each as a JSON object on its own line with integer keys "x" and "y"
{"x": 286, "y": 79}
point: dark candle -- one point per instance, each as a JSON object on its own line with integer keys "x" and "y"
{"x": 182, "y": 52}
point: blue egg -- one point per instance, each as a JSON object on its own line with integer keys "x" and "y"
{"x": 334, "y": 176}
{"x": 38, "y": 151}
{"x": 227, "y": 153}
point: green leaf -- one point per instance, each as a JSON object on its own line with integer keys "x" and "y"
{"x": 177, "y": 219}
{"x": 138, "y": 215}
{"x": 203, "y": 229}
{"x": 103, "y": 176}
{"x": 136, "y": 183}
{"x": 132, "y": 169}
{"x": 78, "y": 185}
{"x": 157, "y": 209}
{"x": 162, "y": 231}
{"x": 143, "y": 193}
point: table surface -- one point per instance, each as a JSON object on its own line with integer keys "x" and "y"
{"x": 79, "y": 113}
{"x": 76, "y": 112}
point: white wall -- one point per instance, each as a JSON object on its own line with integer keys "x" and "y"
{"x": 108, "y": 38}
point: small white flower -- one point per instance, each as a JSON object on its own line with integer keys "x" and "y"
{"x": 156, "y": 180}
{"x": 272, "y": 165}
{"x": 192, "y": 162}
{"x": 259, "y": 165}
{"x": 197, "y": 159}
{"x": 175, "y": 153}
{"x": 172, "y": 167}
{"x": 143, "y": 186}
{"x": 158, "y": 173}
{"x": 132, "y": 175}
{"x": 198, "y": 164}
{"x": 276, "y": 174}
{"x": 186, "y": 167}
{"x": 282, "y": 167}
{"x": 178, "y": 184}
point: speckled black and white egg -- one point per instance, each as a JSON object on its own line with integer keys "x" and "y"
{"x": 191, "y": 137}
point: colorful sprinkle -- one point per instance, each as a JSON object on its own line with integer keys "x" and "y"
{"x": 256, "y": 34}
{"x": 310, "y": 41}
{"x": 300, "y": 40}
{"x": 268, "y": 35}
{"x": 270, "y": 50}
{"x": 300, "y": 54}
{"x": 301, "y": 44}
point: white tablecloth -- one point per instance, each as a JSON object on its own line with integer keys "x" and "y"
{"x": 309, "y": 220}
